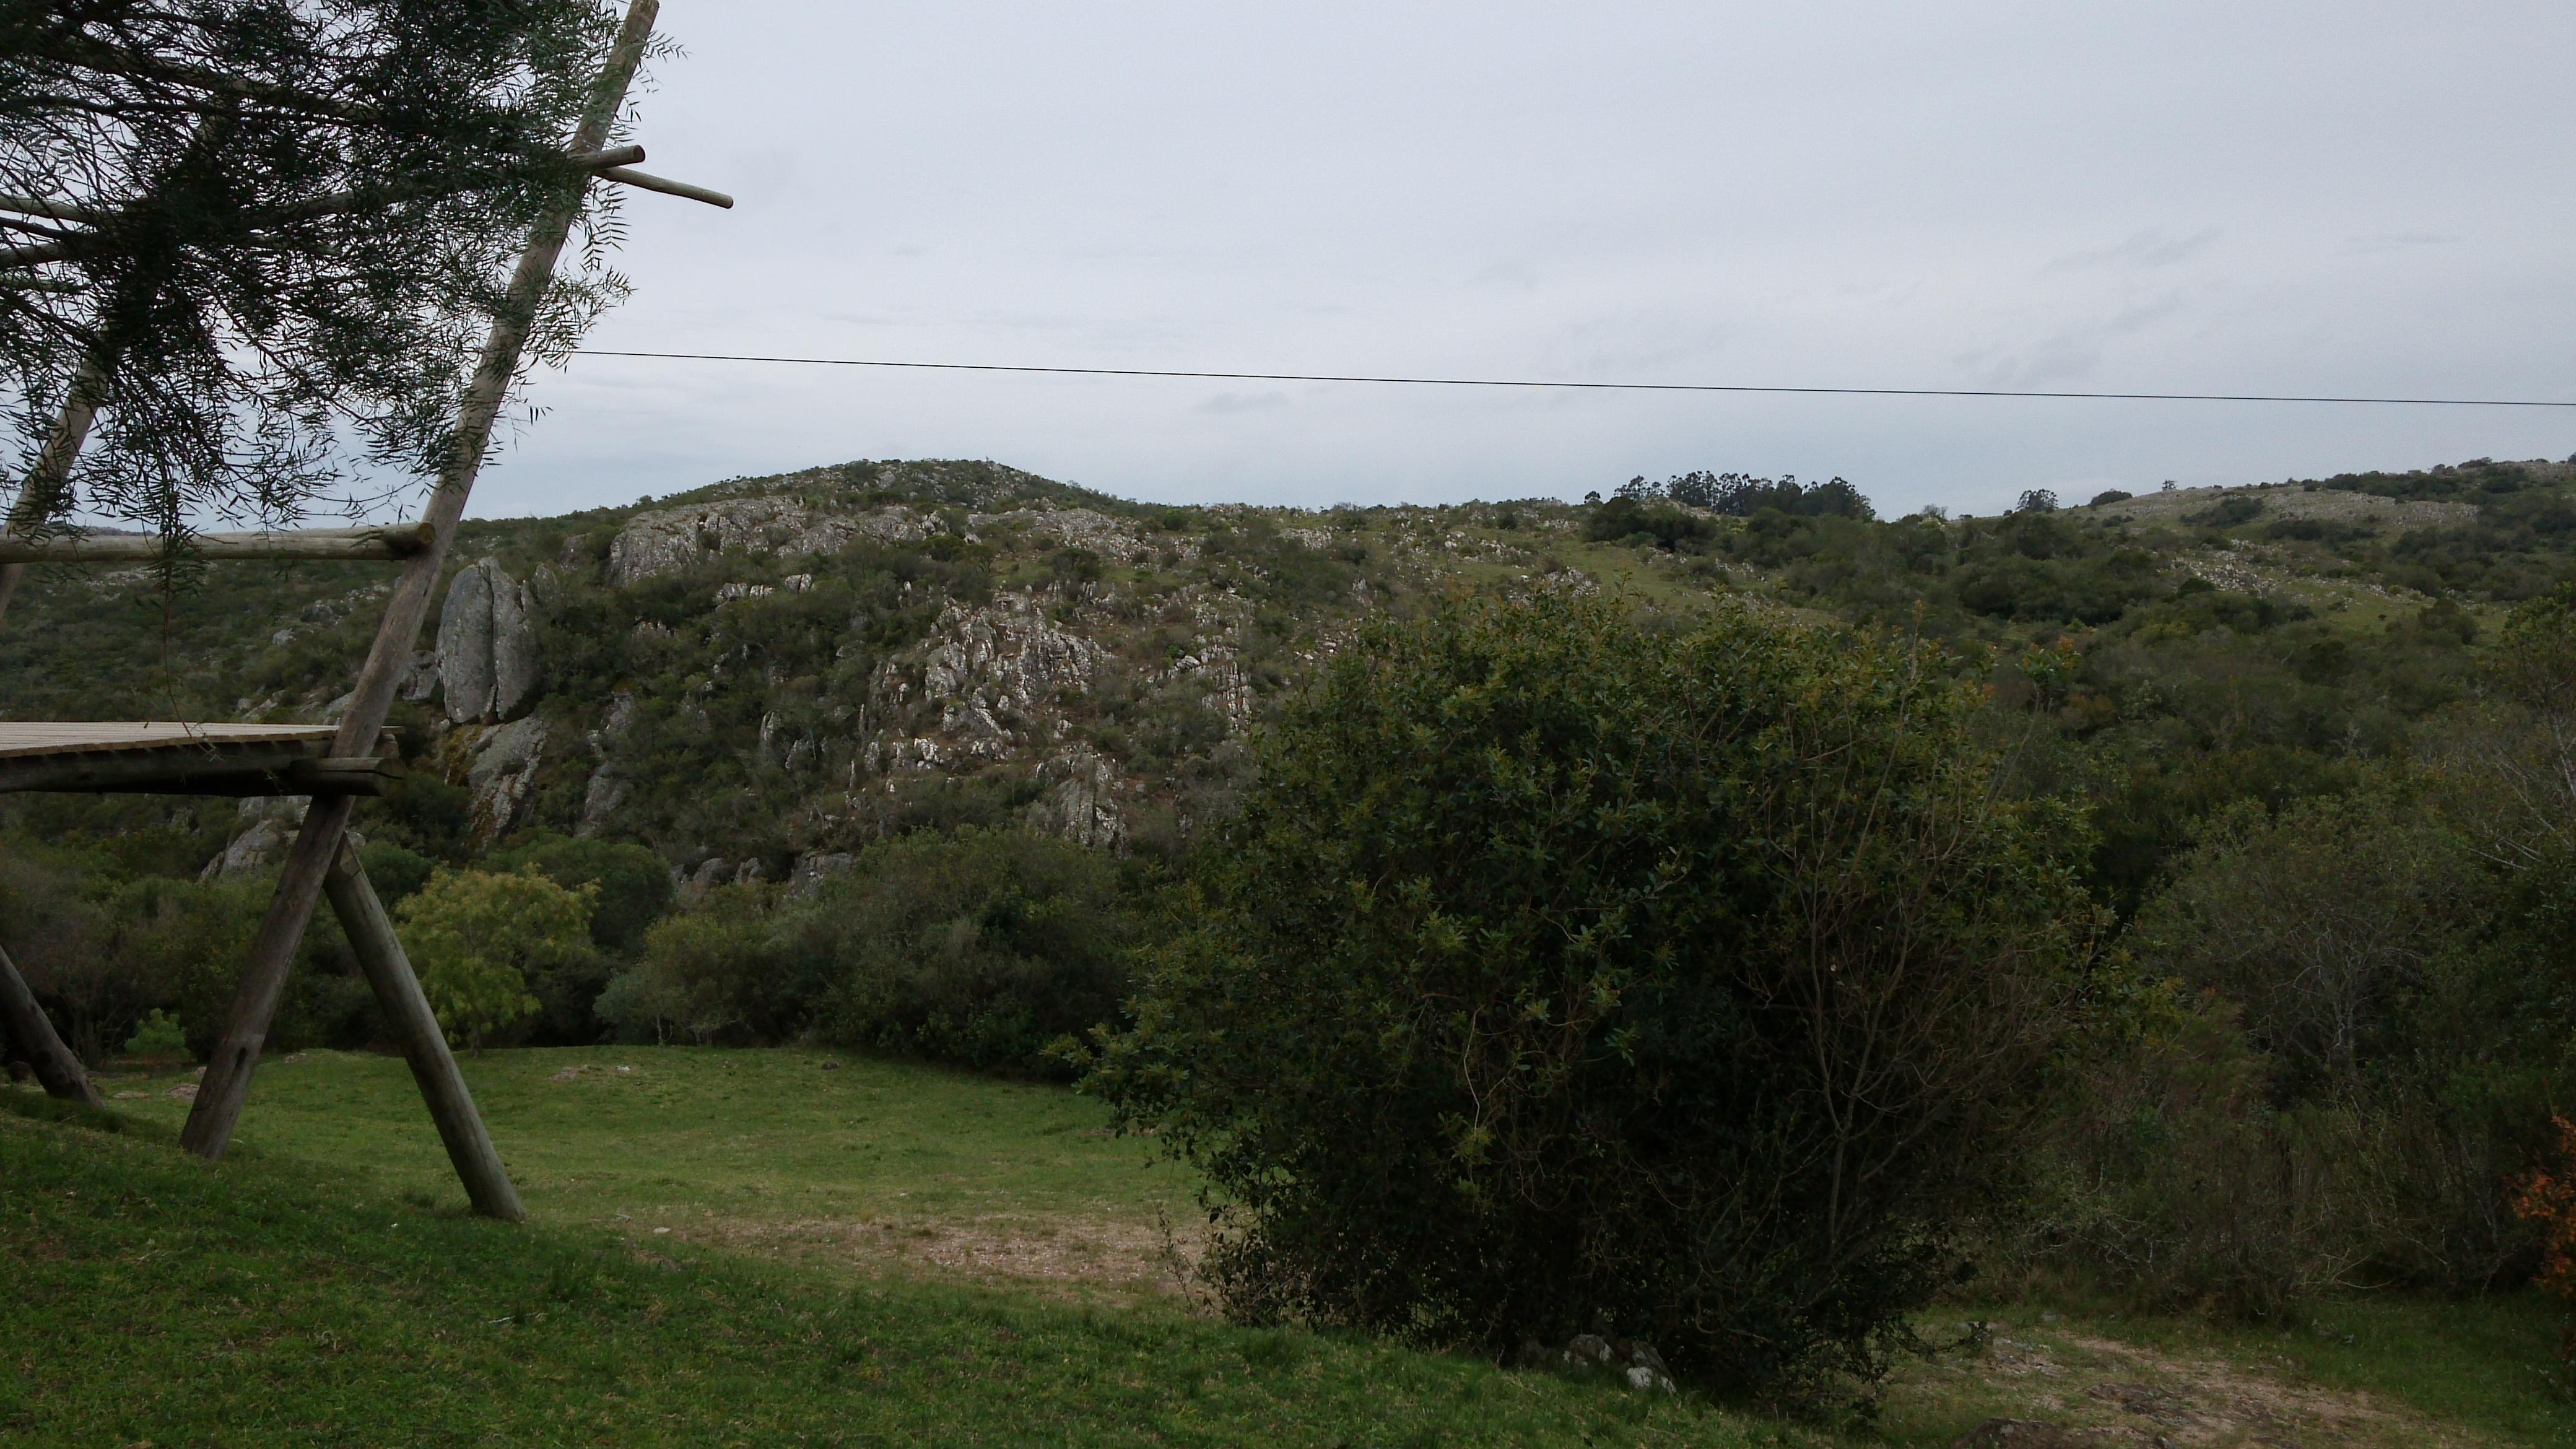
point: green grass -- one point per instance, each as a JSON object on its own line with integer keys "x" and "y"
{"x": 667, "y": 1134}
{"x": 692, "y": 1276}
{"x": 279, "y": 1300}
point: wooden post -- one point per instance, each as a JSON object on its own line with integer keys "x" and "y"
{"x": 24, "y": 1023}
{"x": 451, "y": 1106}
{"x": 227, "y": 1083}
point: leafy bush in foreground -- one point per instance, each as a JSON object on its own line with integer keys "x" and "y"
{"x": 1565, "y": 975}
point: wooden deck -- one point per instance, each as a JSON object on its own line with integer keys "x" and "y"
{"x": 175, "y": 758}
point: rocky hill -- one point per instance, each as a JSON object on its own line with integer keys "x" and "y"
{"x": 757, "y": 678}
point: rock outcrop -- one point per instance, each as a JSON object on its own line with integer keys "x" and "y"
{"x": 503, "y": 774}
{"x": 1080, "y": 801}
{"x": 487, "y": 646}
{"x": 262, "y": 846}
{"x": 994, "y": 673}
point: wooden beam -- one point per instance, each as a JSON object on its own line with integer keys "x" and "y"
{"x": 226, "y": 1087}
{"x": 650, "y": 182}
{"x": 251, "y": 769}
{"x": 602, "y": 160}
{"x": 33, "y": 1034}
{"x": 388, "y": 970}
{"x": 384, "y": 542}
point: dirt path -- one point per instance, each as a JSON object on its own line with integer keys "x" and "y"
{"x": 2100, "y": 1391}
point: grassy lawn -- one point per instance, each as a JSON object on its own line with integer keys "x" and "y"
{"x": 765, "y": 1151}
{"x": 745, "y": 1247}
{"x": 152, "y": 1300}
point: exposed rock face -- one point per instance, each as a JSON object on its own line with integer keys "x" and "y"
{"x": 1081, "y": 801}
{"x": 504, "y": 774}
{"x": 262, "y": 847}
{"x": 814, "y": 869}
{"x": 668, "y": 539}
{"x": 993, "y": 673}
{"x": 609, "y": 786}
{"x": 487, "y": 646}
{"x": 420, "y": 681}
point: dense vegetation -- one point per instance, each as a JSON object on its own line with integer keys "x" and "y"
{"x": 1561, "y": 976}
{"x": 2318, "y": 735}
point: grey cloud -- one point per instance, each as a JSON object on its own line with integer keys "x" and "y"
{"x": 2144, "y": 250}
{"x": 1228, "y": 403}
{"x": 2401, "y": 241}
{"x": 2075, "y": 352}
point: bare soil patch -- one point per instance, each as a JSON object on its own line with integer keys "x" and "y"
{"x": 2094, "y": 1390}
{"x": 1135, "y": 1258}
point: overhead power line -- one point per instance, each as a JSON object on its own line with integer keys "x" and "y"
{"x": 1705, "y": 387}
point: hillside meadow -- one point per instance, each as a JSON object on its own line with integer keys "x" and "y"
{"x": 753, "y": 1247}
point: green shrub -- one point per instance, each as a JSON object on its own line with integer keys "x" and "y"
{"x": 976, "y": 947}
{"x": 478, "y": 939}
{"x": 1625, "y": 520}
{"x": 1566, "y": 975}
{"x": 395, "y": 872}
{"x": 717, "y": 972}
{"x": 2227, "y": 512}
{"x": 156, "y": 1036}
{"x": 2354, "y": 1066}
{"x": 980, "y": 948}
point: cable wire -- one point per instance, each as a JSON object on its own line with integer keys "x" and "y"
{"x": 1702, "y": 387}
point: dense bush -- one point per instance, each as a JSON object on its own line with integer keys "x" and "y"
{"x": 103, "y": 952}
{"x": 717, "y": 972}
{"x": 2365, "y": 1006}
{"x": 1743, "y": 495}
{"x": 1625, "y": 520}
{"x": 1568, "y": 973}
{"x": 481, "y": 940}
{"x": 976, "y": 947}
{"x": 980, "y": 948}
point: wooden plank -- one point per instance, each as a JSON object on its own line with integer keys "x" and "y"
{"x": 50, "y": 737}
{"x": 377, "y": 543}
{"x": 388, "y": 969}
{"x": 226, "y": 1086}
{"x": 34, "y": 1036}
{"x": 253, "y": 769}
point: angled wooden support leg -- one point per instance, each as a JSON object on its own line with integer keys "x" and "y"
{"x": 299, "y": 889}
{"x": 226, "y": 1085}
{"x": 451, "y": 1106}
{"x": 26, "y": 1026}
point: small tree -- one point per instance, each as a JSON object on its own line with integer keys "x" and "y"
{"x": 473, "y": 936}
{"x": 1564, "y": 974}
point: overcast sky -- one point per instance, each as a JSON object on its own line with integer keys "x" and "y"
{"x": 2341, "y": 198}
